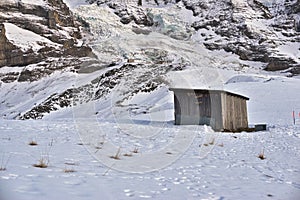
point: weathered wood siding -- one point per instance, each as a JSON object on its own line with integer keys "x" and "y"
{"x": 244, "y": 114}
{"x": 223, "y": 111}
{"x": 198, "y": 107}
{"x": 234, "y": 112}
{"x": 186, "y": 110}
{"x": 216, "y": 121}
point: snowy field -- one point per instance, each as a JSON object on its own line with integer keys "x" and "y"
{"x": 157, "y": 159}
{"x": 132, "y": 150}
{"x": 227, "y": 169}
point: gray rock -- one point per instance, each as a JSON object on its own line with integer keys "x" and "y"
{"x": 48, "y": 21}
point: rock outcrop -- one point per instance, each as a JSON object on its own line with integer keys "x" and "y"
{"x": 53, "y": 21}
{"x": 11, "y": 55}
{"x": 250, "y": 29}
{"x": 137, "y": 46}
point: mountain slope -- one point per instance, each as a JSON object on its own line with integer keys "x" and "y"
{"x": 38, "y": 38}
{"x": 136, "y": 49}
{"x": 258, "y": 30}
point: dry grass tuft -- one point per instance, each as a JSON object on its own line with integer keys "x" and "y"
{"x": 69, "y": 170}
{"x": 127, "y": 154}
{"x": 261, "y": 155}
{"x": 2, "y": 168}
{"x": 135, "y": 150}
{"x": 100, "y": 144}
{"x": 212, "y": 141}
{"x": 32, "y": 143}
{"x": 44, "y": 160}
{"x": 98, "y": 147}
{"x": 71, "y": 163}
{"x": 4, "y": 162}
{"x": 117, "y": 156}
{"x": 43, "y": 163}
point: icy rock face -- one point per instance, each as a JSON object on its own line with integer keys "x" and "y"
{"x": 51, "y": 20}
{"x": 134, "y": 78}
{"x": 136, "y": 47}
{"x": 127, "y": 13}
{"x": 126, "y": 59}
{"x": 131, "y": 13}
{"x": 256, "y": 30}
{"x": 10, "y": 54}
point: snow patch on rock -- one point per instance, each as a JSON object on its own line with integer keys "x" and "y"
{"x": 26, "y": 39}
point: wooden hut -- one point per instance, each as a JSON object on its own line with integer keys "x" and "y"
{"x": 222, "y": 110}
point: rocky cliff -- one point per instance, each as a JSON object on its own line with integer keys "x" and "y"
{"x": 53, "y": 28}
{"x": 45, "y": 60}
{"x": 255, "y": 30}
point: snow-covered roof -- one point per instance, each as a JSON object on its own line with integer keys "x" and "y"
{"x": 207, "y": 91}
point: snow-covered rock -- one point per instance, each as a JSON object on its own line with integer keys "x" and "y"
{"x": 119, "y": 108}
{"x": 34, "y": 30}
{"x": 254, "y": 30}
{"x": 138, "y": 48}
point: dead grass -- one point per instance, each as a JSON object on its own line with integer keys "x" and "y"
{"x": 44, "y": 160}
{"x": 69, "y": 170}
{"x": 261, "y": 155}
{"x": 42, "y": 163}
{"x": 221, "y": 145}
{"x": 127, "y": 154}
{"x": 2, "y": 168}
{"x": 71, "y": 163}
{"x": 135, "y": 150}
{"x": 4, "y": 162}
{"x": 98, "y": 147}
{"x": 32, "y": 143}
{"x": 212, "y": 141}
{"x": 117, "y": 156}
{"x": 100, "y": 144}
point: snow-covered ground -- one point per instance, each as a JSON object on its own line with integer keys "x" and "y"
{"x": 170, "y": 162}
{"x": 132, "y": 150}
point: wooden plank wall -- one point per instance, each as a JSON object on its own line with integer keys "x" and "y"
{"x": 221, "y": 110}
{"x": 198, "y": 107}
{"x": 234, "y": 112}
{"x": 186, "y": 109}
{"x": 244, "y": 114}
{"x": 216, "y": 121}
